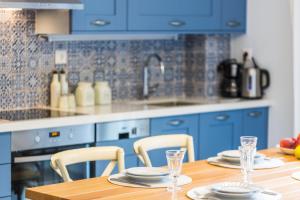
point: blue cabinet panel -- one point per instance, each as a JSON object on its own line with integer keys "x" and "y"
{"x": 219, "y": 131}
{"x": 234, "y": 15}
{"x": 255, "y": 123}
{"x": 100, "y": 15}
{"x": 186, "y": 124}
{"x": 5, "y": 148}
{"x": 131, "y": 159}
{"x": 5, "y": 180}
{"x": 174, "y": 15}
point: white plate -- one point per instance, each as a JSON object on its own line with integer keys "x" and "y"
{"x": 234, "y": 189}
{"x": 147, "y": 171}
{"x": 234, "y": 155}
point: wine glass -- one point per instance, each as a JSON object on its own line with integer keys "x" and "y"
{"x": 175, "y": 159}
{"x": 247, "y": 151}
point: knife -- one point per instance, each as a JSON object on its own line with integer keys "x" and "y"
{"x": 130, "y": 182}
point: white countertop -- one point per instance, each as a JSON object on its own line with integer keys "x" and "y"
{"x": 132, "y": 110}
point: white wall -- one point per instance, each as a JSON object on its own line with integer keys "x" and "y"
{"x": 296, "y": 34}
{"x": 269, "y": 34}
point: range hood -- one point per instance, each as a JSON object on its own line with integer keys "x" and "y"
{"x": 42, "y": 4}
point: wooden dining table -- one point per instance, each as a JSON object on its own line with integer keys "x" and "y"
{"x": 203, "y": 174}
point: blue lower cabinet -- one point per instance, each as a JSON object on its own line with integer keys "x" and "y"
{"x": 219, "y": 131}
{"x": 5, "y": 180}
{"x": 5, "y": 148}
{"x": 131, "y": 159}
{"x": 185, "y": 124}
{"x": 255, "y": 123}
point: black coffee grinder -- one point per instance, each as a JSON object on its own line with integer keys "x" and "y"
{"x": 230, "y": 74}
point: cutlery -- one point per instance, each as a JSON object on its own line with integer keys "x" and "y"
{"x": 130, "y": 182}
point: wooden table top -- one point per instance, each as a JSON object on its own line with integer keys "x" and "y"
{"x": 202, "y": 173}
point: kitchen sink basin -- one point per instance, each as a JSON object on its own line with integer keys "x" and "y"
{"x": 173, "y": 103}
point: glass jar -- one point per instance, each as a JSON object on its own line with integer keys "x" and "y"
{"x": 102, "y": 93}
{"x": 85, "y": 95}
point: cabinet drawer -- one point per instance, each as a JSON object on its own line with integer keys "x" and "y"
{"x": 5, "y": 148}
{"x": 162, "y": 125}
{"x": 5, "y": 180}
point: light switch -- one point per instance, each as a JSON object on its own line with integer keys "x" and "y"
{"x": 61, "y": 57}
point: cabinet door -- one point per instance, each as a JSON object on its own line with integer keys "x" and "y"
{"x": 5, "y": 198}
{"x": 219, "y": 131}
{"x": 131, "y": 159}
{"x": 5, "y": 148}
{"x": 256, "y": 124}
{"x": 5, "y": 181}
{"x": 234, "y": 15}
{"x": 173, "y": 125}
{"x": 174, "y": 15}
{"x": 100, "y": 15}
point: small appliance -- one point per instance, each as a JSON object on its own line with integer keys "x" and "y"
{"x": 254, "y": 81}
{"x": 230, "y": 78}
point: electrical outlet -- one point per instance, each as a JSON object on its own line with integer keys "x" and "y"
{"x": 249, "y": 51}
{"x": 61, "y": 57}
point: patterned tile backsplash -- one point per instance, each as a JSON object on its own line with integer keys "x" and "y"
{"x": 26, "y": 63}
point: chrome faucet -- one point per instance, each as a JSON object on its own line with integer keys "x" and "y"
{"x": 147, "y": 90}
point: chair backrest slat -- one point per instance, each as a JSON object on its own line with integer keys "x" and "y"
{"x": 142, "y": 146}
{"x": 60, "y": 160}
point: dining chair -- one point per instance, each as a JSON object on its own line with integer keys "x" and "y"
{"x": 142, "y": 146}
{"x": 61, "y": 160}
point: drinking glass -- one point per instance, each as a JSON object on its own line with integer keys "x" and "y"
{"x": 175, "y": 159}
{"x": 247, "y": 151}
{"x": 248, "y": 141}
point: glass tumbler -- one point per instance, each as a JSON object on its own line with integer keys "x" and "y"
{"x": 247, "y": 163}
{"x": 175, "y": 159}
{"x": 248, "y": 141}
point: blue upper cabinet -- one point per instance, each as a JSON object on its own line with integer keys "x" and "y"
{"x": 174, "y": 15}
{"x": 100, "y": 15}
{"x": 219, "y": 131}
{"x": 234, "y": 15}
{"x": 255, "y": 123}
{"x": 185, "y": 124}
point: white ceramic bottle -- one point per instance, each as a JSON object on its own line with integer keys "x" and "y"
{"x": 85, "y": 95}
{"x": 102, "y": 93}
{"x": 55, "y": 90}
{"x": 63, "y": 83}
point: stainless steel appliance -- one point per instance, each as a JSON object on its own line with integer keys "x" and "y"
{"x": 31, "y": 152}
{"x": 230, "y": 78}
{"x": 254, "y": 81}
{"x": 123, "y": 130}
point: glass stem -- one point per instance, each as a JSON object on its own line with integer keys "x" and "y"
{"x": 174, "y": 182}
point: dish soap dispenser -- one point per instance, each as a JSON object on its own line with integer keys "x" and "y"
{"x": 55, "y": 90}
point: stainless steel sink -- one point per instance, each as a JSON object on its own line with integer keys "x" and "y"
{"x": 172, "y": 103}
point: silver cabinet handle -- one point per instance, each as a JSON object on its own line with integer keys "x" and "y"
{"x": 177, "y": 23}
{"x": 254, "y": 114}
{"x": 26, "y": 159}
{"x": 222, "y": 117}
{"x": 233, "y": 23}
{"x": 176, "y": 122}
{"x": 100, "y": 22}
